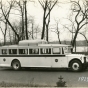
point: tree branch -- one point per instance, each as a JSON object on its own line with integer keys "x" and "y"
{"x": 83, "y": 25}
{"x": 51, "y": 9}
{"x": 41, "y": 4}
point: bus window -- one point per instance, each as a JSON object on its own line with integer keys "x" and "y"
{"x": 45, "y": 51}
{"x": 65, "y": 49}
{"x": 4, "y": 51}
{"x": 34, "y": 51}
{"x": 56, "y": 51}
{"x": 23, "y": 51}
{"x": 12, "y": 51}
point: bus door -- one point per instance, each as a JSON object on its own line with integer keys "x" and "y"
{"x": 58, "y": 58}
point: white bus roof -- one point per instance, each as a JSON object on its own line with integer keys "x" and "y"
{"x": 30, "y": 42}
{"x": 39, "y": 45}
{"x": 55, "y": 45}
{"x": 9, "y": 46}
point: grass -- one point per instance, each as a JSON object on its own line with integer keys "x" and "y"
{"x": 4, "y": 84}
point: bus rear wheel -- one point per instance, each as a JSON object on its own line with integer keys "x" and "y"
{"x": 16, "y": 65}
{"x": 76, "y": 66}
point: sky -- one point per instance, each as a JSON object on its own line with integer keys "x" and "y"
{"x": 59, "y": 13}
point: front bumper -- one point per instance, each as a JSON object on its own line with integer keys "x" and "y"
{"x": 85, "y": 64}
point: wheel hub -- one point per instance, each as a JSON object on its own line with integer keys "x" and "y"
{"x": 75, "y": 66}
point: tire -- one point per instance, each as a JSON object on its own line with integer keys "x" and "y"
{"x": 16, "y": 65}
{"x": 76, "y": 66}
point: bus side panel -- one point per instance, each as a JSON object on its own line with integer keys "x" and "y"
{"x": 60, "y": 62}
{"x": 26, "y": 61}
{"x": 35, "y": 61}
{"x": 5, "y": 61}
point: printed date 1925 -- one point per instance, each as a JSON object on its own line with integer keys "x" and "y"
{"x": 83, "y": 79}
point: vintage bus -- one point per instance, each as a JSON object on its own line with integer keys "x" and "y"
{"x": 41, "y": 54}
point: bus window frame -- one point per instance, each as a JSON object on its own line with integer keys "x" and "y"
{"x": 34, "y": 47}
{"x": 23, "y": 49}
{"x": 4, "y": 53}
{"x": 57, "y": 53}
{"x": 46, "y": 51}
{"x": 34, "y": 53}
{"x": 62, "y": 51}
{"x": 12, "y": 53}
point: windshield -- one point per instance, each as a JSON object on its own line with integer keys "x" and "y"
{"x": 67, "y": 50}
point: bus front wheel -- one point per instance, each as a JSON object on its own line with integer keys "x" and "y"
{"x": 16, "y": 65}
{"x": 76, "y": 65}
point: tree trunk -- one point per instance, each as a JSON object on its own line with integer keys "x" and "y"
{"x": 5, "y": 33}
{"x": 32, "y": 32}
{"x": 59, "y": 38}
{"x": 44, "y": 22}
{"x": 23, "y": 25}
{"x": 25, "y": 2}
{"x": 4, "y": 39}
{"x": 74, "y": 39}
{"x": 47, "y": 33}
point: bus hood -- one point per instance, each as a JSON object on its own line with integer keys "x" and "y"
{"x": 76, "y": 55}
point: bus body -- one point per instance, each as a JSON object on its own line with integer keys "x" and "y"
{"x": 41, "y": 55}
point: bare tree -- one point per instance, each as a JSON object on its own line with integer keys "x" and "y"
{"x": 6, "y": 12}
{"x": 47, "y": 6}
{"x": 57, "y": 30}
{"x": 26, "y": 19}
{"x": 81, "y": 16}
{"x": 21, "y": 10}
{"x": 31, "y": 21}
{"x": 72, "y": 29}
{"x": 5, "y": 23}
{"x": 26, "y": 27}
{"x": 34, "y": 28}
{"x": 4, "y": 31}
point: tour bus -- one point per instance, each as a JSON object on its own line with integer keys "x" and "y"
{"x": 41, "y": 55}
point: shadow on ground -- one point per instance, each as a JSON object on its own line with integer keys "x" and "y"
{"x": 41, "y": 69}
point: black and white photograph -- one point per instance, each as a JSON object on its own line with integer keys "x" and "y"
{"x": 43, "y": 43}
